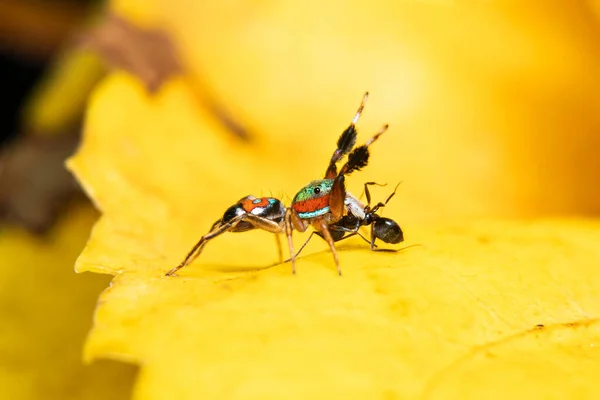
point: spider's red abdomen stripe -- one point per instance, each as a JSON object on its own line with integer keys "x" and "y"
{"x": 250, "y": 204}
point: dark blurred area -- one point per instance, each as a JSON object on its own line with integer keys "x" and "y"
{"x": 31, "y": 33}
{"x": 34, "y": 185}
{"x": 19, "y": 76}
{"x": 40, "y": 359}
{"x": 52, "y": 54}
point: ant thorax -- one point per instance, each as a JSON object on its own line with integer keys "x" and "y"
{"x": 354, "y": 206}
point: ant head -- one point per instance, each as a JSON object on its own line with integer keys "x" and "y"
{"x": 388, "y": 230}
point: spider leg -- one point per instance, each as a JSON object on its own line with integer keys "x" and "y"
{"x": 322, "y": 227}
{"x": 351, "y": 231}
{"x": 359, "y": 234}
{"x": 303, "y": 246}
{"x": 289, "y": 214}
{"x": 217, "y": 230}
{"x": 263, "y": 223}
{"x": 332, "y": 228}
{"x": 220, "y": 228}
{"x": 269, "y": 226}
{"x": 346, "y": 141}
{"x": 279, "y": 249}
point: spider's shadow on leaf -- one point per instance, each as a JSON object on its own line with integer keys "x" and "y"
{"x": 245, "y": 268}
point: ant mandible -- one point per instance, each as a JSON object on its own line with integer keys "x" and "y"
{"x": 384, "y": 229}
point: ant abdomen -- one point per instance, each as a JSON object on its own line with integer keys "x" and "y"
{"x": 388, "y": 230}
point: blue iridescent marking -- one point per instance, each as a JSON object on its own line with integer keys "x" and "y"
{"x": 272, "y": 201}
{"x": 313, "y": 214}
{"x": 256, "y": 201}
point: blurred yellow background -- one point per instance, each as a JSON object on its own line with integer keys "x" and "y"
{"x": 493, "y": 105}
{"x": 493, "y": 109}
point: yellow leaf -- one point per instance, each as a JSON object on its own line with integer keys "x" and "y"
{"x": 484, "y": 308}
{"x": 46, "y": 311}
{"x": 421, "y": 321}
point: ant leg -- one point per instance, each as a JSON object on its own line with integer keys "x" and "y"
{"x": 372, "y": 238}
{"x": 373, "y": 245}
{"x": 263, "y": 223}
{"x": 198, "y": 247}
{"x": 321, "y": 236}
{"x": 327, "y": 236}
{"x": 331, "y": 228}
{"x": 351, "y": 231}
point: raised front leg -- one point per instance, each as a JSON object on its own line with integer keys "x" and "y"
{"x": 346, "y": 141}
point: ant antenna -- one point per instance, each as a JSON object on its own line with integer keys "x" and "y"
{"x": 380, "y": 205}
{"x": 402, "y": 248}
{"x": 393, "y": 193}
{"x": 365, "y": 188}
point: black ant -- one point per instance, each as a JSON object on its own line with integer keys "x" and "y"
{"x": 382, "y": 228}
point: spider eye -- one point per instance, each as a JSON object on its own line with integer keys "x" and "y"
{"x": 317, "y": 190}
